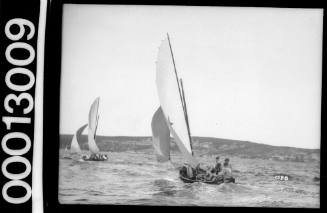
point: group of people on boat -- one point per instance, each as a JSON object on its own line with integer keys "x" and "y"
{"x": 220, "y": 172}
{"x": 95, "y": 157}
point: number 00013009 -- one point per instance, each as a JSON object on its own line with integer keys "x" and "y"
{"x": 20, "y": 101}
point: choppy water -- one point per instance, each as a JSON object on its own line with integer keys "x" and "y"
{"x": 137, "y": 179}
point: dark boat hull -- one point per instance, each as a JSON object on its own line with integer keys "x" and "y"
{"x": 216, "y": 181}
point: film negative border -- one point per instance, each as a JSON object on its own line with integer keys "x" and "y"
{"x": 52, "y": 91}
{"x": 23, "y": 26}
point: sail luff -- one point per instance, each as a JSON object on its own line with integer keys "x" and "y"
{"x": 176, "y": 75}
{"x": 186, "y": 116}
{"x": 181, "y": 93}
{"x": 171, "y": 101}
{"x": 93, "y": 123}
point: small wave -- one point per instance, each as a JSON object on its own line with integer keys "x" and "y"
{"x": 269, "y": 203}
{"x": 159, "y": 201}
{"x": 163, "y": 183}
{"x": 95, "y": 193}
{"x": 168, "y": 193}
{"x": 132, "y": 180}
{"x": 170, "y": 179}
{"x": 132, "y": 173}
{"x": 259, "y": 174}
{"x": 81, "y": 199}
{"x": 316, "y": 179}
{"x": 66, "y": 194}
{"x": 233, "y": 187}
{"x": 294, "y": 190}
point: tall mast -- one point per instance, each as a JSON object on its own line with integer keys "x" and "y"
{"x": 186, "y": 116}
{"x": 181, "y": 94}
{"x": 176, "y": 75}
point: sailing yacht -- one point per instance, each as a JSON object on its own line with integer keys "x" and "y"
{"x": 93, "y": 119}
{"x": 74, "y": 148}
{"x": 172, "y": 117}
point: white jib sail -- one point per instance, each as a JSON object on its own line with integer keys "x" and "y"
{"x": 170, "y": 101}
{"x": 160, "y": 136}
{"x": 93, "y": 123}
{"x": 74, "y": 147}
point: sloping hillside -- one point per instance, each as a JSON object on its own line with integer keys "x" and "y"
{"x": 203, "y": 146}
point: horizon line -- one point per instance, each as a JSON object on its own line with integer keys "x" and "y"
{"x": 200, "y": 137}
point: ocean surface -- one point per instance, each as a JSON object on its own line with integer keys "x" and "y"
{"x": 136, "y": 178}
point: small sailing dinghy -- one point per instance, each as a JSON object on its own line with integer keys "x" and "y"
{"x": 93, "y": 119}
{"x": 95, "y": 154}
{"x": 171, "y": 117}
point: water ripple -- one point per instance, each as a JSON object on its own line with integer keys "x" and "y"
{"x": 136, "y": 179}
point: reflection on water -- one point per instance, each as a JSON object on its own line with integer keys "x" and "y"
{"x": 137, "y": 179}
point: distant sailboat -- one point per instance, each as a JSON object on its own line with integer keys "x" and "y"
{"x": 74, "y": 147}
{"x": 171, "y": 116}
{"x": 93, "y": 119}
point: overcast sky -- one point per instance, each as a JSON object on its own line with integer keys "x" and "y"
{"x": 249, "y": 73}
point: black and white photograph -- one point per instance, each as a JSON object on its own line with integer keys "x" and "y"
{"x": 190, "y": 106}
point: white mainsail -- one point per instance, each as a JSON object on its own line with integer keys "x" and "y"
{"x": 171, "y": 101}
{"x": 74, "y": 146}
{"x": 160, "y": 136}
{"x": 93, "y": 124}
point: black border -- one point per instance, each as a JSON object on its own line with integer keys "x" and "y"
{"x": 10, "y": 10}
{"x": 52, "y": 104}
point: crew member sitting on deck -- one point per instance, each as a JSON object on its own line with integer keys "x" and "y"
{"x": 85, "y": 157}
{"x": 227, "y": 171}
{"x": 199, "y": 170}
{"x": 228, "y": 164}
{"x": 95, "y": 156}
{"x": 209, "y": 174}
{"x": 217, "y": 167}
{"x": 190, "y": 171}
